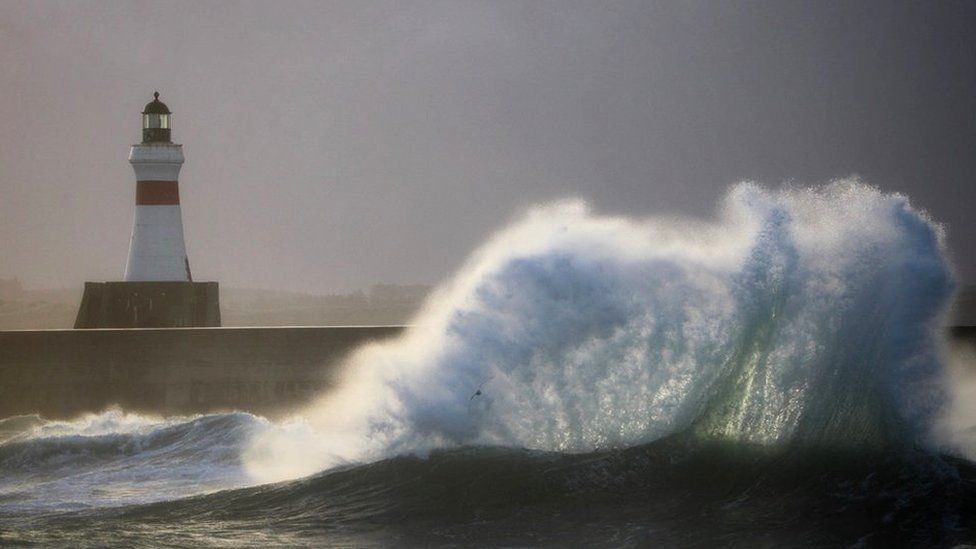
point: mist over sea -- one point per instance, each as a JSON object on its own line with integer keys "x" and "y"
{"x": 775, "y": 376}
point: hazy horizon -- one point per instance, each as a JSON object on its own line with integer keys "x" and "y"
{"x": 335, "y": 146}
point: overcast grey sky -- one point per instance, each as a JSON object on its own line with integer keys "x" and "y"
{"x": 333, "y": 145}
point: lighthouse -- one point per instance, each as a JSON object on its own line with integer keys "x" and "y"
{"x": 157, "y": 290}
{"x": 157, "y": 251}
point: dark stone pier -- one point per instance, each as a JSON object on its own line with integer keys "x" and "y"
{"x": 268, "y": 371}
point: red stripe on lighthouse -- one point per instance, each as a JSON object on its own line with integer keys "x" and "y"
{"x": 157, "y": 193}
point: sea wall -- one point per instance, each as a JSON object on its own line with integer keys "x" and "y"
{"x": 269, "y": 371}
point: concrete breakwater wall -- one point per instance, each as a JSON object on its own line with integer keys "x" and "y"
{"x": 268, "y": 371}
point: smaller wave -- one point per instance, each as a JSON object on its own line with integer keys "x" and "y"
{"x": 115, "y": 458}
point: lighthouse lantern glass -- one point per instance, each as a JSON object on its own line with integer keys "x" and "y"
{"x": 153, "y": 120}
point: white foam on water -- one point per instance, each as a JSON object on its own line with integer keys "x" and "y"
{"x": 802, "y": 314}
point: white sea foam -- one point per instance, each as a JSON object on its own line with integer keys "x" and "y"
{"x": 804, "y": 314}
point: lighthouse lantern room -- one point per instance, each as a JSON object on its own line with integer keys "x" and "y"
{"x": 155, "y": 121}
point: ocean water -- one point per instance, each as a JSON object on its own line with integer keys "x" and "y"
{"x": 772, "y": 377}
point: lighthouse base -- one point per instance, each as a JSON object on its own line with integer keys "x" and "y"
{"x": 149, "y": 305}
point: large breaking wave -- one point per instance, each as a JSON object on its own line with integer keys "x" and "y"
{"x": 800, "y": 316}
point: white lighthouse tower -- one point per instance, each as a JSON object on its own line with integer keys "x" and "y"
{"x": 157, "y": 251}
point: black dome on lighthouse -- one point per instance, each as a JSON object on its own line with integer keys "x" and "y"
{"x": 156, "y": 106}
{"x": 155, "y": 122}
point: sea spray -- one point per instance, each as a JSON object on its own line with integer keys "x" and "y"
{"x": 800, "y": 315}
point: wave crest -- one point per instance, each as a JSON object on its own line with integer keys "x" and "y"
{"x": 799, "y": 316}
